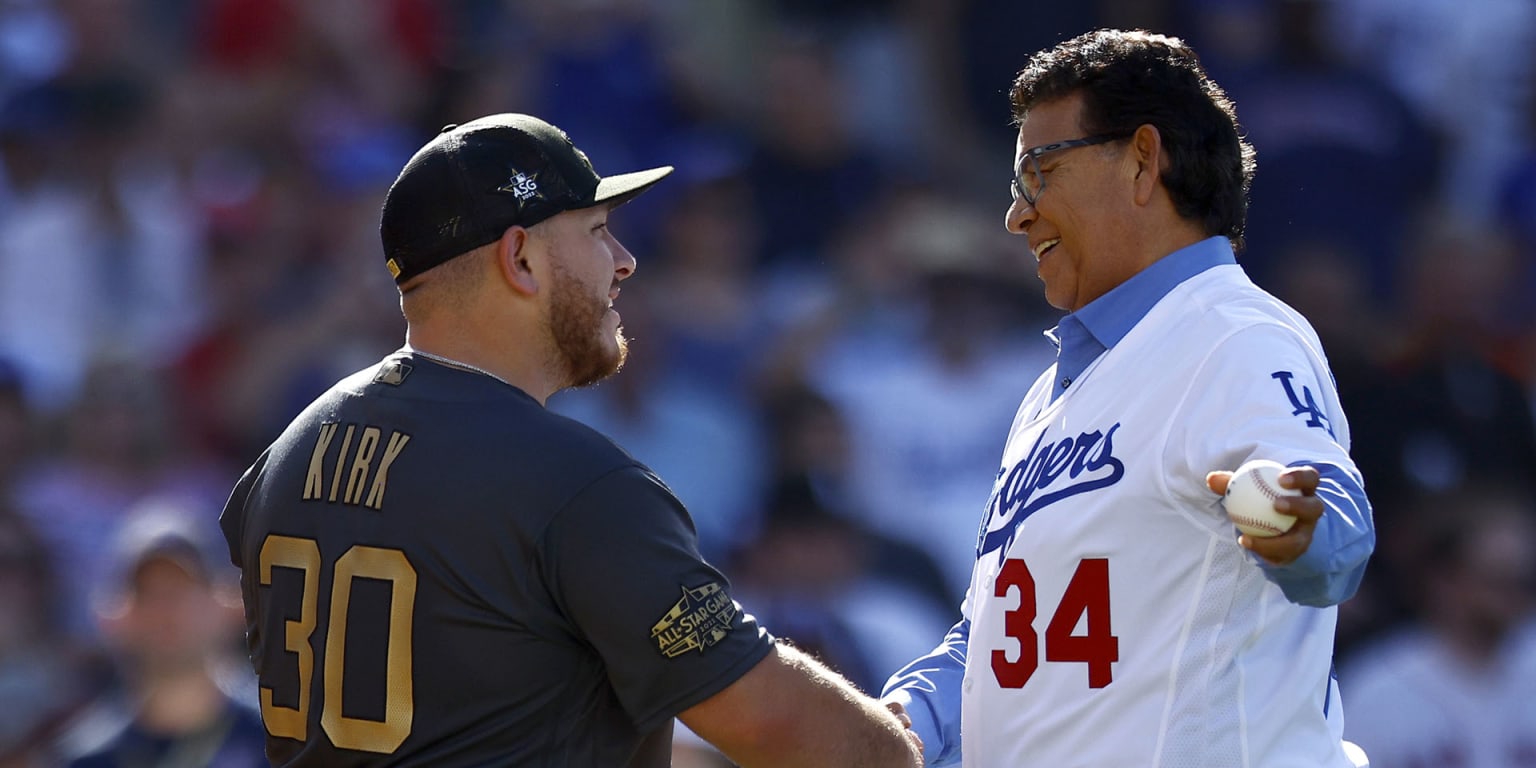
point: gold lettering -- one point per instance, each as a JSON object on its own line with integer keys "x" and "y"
{"x": 358, "y": 477}
{"x": 314, "y": 482}
{"x": 397, "y": 441}
{"x": 669, "y": 636}
{"x": 341, "y": 460}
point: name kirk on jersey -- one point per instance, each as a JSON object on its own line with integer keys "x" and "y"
{"x": 364, "y": 466}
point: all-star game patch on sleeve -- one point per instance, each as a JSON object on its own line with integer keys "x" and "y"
{"x": 622, "y": 561}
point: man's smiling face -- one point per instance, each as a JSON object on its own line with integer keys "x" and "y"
{"x": 1075, "y": 227}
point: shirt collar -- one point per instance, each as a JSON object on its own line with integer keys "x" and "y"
{"x": 1109, "y": 317}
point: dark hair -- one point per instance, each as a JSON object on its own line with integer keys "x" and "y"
{"x": 1130, "y": 79}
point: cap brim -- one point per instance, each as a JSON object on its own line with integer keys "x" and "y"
{"x": 624, "y": 187}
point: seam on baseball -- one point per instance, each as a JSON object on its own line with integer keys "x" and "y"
{"x": 1263, "y": 487}
{"x": 1260, "y": 524}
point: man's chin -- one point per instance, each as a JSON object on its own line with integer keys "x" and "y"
{"x": 611, "y": 364}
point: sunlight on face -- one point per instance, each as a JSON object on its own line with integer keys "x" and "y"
{"x": 577, "y": 323}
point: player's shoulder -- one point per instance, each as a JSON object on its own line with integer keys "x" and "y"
{"x": 580, "y": 442}
{"x": 1223, "y": 301}
{"x": 1225, "y": 294}
{"x": 464, "y": 423}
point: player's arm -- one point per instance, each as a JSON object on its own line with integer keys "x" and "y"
{"x": 790, "y": 710}
{"x": 622, "y": 560}
{"x": 928, "y": 691}
{"x": 1321, "y": 560}
{"x": 1263, "y": 393}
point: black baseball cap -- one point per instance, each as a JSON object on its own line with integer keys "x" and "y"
{"x": 473, "y": 181}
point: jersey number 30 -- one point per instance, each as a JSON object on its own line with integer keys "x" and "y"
{"x": 358, "y": 562}
{"x": 1087, "y": 594}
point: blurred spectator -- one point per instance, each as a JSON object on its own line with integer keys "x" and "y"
{"x": 597, "y": 59}
{"x": 702, "y": 282}
{"x": 809, "y": 172}
{"x": 977, "y": 44}
{"x": 174, "y": 619}
{"x": 1446, "y": 408}
{"x": 1517, "y": 208}
{"x": 885, "y": 47}
{"x": 43, "y": 677}
{"x": 119, "y": 447}
{"x": 1453, "y": 690}
{"x": 92, "y": 212}
{"x": 809, "y": 441}
{"x": 283, "y": 325}
{"x": 1467, "y": 65}
{"x": 35, "y": 44}
{"x": 16, "y": 431}
{"x": 810, "y": 576}
{"x": 933, "y": 340}
{"x": 1341, "y": 155}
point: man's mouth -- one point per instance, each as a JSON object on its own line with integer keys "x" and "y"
{"x": 1043, "y": 246}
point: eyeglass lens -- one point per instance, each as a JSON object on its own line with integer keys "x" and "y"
{"x": 1027, "y": 182}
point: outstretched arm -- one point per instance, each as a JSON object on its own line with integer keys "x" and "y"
{"x": 791, "y": 710}
{"x": 1321, "y": 559}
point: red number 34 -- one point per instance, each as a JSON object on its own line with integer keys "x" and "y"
{"x": 1087, "y": 594}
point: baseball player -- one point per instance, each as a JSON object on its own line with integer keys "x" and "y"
{"x": 1114, "y": 616}
{"x": 438, "y": 571}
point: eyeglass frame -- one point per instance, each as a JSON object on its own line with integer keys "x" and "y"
{"x": 1032, "y": 157}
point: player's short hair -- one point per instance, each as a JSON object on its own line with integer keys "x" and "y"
{"x": 1134, "y": 78}
{"x": 446, "y": 284}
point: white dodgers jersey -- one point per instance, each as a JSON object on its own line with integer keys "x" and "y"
{"x": 1115, "y": 621}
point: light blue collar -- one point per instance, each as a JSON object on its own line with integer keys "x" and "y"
{"x": 1083, "y": 335}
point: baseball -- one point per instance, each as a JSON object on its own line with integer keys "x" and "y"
{"x": 1250, "y": 499}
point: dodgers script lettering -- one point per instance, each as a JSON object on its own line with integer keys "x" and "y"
{"x": 1083, "y": 463}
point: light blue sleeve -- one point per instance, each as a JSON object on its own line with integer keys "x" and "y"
{"x": 1329, "y": 572}
{"x": 930, "y": 690}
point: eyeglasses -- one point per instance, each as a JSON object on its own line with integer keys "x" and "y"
{"x": 1028, "y": 182}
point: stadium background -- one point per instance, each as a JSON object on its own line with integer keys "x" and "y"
{"x": 831, "y": 329}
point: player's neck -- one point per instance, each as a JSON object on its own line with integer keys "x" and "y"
{"x": 1171, "y": 235}
{"x": 500, "y": 361}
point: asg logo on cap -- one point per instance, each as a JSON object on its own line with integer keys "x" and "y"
{"x": 521, "y": 184}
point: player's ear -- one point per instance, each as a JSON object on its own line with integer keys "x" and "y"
{"x": 515, "y": 253}
{"x": 1147, "y": 153}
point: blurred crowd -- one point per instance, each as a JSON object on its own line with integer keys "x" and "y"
{"x": 831, "y": 329}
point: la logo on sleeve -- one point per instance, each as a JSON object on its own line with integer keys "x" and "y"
{"x": 1303, "y": 403}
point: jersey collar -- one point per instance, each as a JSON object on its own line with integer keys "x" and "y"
{"x": 1083, "y": 335}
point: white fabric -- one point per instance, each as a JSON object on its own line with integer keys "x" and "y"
{"x": 1214, "y": 667}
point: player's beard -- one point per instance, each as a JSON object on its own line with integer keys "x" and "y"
{"x": 576, "y": 318}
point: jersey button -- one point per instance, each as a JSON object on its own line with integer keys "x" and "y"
{"x": 969, "y": 681}
{"x": 1066, "y": 383}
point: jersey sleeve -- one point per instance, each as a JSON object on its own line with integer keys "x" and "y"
{"x": 1265, "y": 392}
{"x": 622, "y": 562}
{"x": 232, "y": 519}
{"x": 929, "y": 689}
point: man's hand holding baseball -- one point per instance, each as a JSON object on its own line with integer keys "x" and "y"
{"x": 1306, "y": 508}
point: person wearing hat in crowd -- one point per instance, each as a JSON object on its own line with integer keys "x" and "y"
{"x": 169, "y": 627}
{"x": 437, "y": 570}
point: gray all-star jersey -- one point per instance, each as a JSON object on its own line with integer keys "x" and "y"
{"x": 439, "y": 571}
